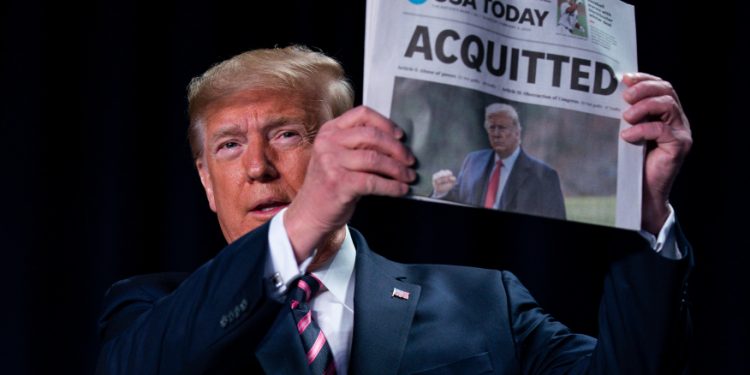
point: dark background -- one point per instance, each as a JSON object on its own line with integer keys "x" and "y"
{"x": 98, "y": 184}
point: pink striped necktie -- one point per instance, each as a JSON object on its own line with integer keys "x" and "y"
{"x": 493, "y": 185}
{"x": 319, "y": 354}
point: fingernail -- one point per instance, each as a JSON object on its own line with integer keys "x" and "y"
{"x": 415, "y": 180}
{"x": 399, "y": 133}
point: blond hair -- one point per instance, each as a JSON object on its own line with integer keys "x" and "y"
{"x": 294, "y": 69}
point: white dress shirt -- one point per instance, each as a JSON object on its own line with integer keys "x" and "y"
{"x": 333, "y": 309}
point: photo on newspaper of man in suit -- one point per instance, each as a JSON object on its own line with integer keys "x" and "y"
{"x": 556, "y": 163}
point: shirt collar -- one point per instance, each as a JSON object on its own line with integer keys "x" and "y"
{"x": 511, "y": 159}
{"x": 337, "y": 274}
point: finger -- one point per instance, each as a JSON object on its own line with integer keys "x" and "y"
{"x": 649, "y": 131}
{"x": 648, "y": 89}
{"x": 665, "y": 108}
{"x": 631, "y": 79}
{"x": 372, "y": 184}
{"x": 447, "y": 178}
{"x": 364, "y": 116}
{"x": 442, "y": 182}
{"x": 370, "y": 161}
{"x": 370, "y": 138}
{"x": 441, "y": 175}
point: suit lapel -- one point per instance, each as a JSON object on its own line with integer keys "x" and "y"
{"x": 281, "y": 350}
{"x": 516, "y": 179}
{"x": 381, "y": 322}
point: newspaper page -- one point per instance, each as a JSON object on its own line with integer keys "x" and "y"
{"x": 511, "y": 104}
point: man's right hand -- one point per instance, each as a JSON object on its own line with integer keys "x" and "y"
{"x": 442, "y": 182}
{"x": 355, "y": 154}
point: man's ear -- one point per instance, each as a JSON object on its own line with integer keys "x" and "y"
{"x": 206, "y": 181}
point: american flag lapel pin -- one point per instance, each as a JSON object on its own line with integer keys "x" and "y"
{"x": 398, "y": 293}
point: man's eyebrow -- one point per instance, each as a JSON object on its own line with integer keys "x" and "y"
{"x": 283, "y": 120}
{"x": 235, "y": 130}
{"x": 227, "y": 131}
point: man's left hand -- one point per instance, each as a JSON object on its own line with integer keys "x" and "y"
{"x": 659, "y": 121}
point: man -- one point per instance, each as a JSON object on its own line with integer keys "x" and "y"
{"x": 282, "y": 201}
{"x": 503, "y": 177}
{"x": 568, "y": 20}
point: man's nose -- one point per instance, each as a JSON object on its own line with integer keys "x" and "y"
{"x": 259, "y": 164}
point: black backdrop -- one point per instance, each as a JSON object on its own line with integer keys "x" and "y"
{"x": 98, "y": 183}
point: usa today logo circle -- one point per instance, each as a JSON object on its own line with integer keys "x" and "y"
{"x": 417, "y": 1}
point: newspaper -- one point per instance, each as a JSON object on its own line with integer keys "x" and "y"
{"x": 535, "y": 84}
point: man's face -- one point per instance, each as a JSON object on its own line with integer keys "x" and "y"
{"x": 256, "y": 148}
{"x": 503, "y": 134}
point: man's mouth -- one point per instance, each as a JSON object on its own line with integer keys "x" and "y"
{"x": 269, "y": 207}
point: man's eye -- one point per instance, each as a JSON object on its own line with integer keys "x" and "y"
{"x": 286, "y": 137}
{"x": 229, "y": 145}
{"x": 288, "y": 134}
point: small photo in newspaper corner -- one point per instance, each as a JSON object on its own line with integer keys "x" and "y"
{"x": 485, "y": 151}
{"x": 571, "y": 17}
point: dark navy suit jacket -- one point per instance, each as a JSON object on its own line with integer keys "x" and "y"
{"x": 532, "y": 188}
{"x": 221, "y": 319}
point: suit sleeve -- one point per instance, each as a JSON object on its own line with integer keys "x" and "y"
{"x": 543, "y": 345}
{"x": 643, "y": 321}
{"x": 554, "y": 204}
{"x": 454, "y": 194}
{"x": 156, "y": 324}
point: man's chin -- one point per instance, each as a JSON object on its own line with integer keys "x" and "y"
{"x": 251, "y": 222}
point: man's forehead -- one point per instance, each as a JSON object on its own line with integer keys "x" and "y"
{"x": 257, "y": 105}
{"x": 500, "y": 117}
